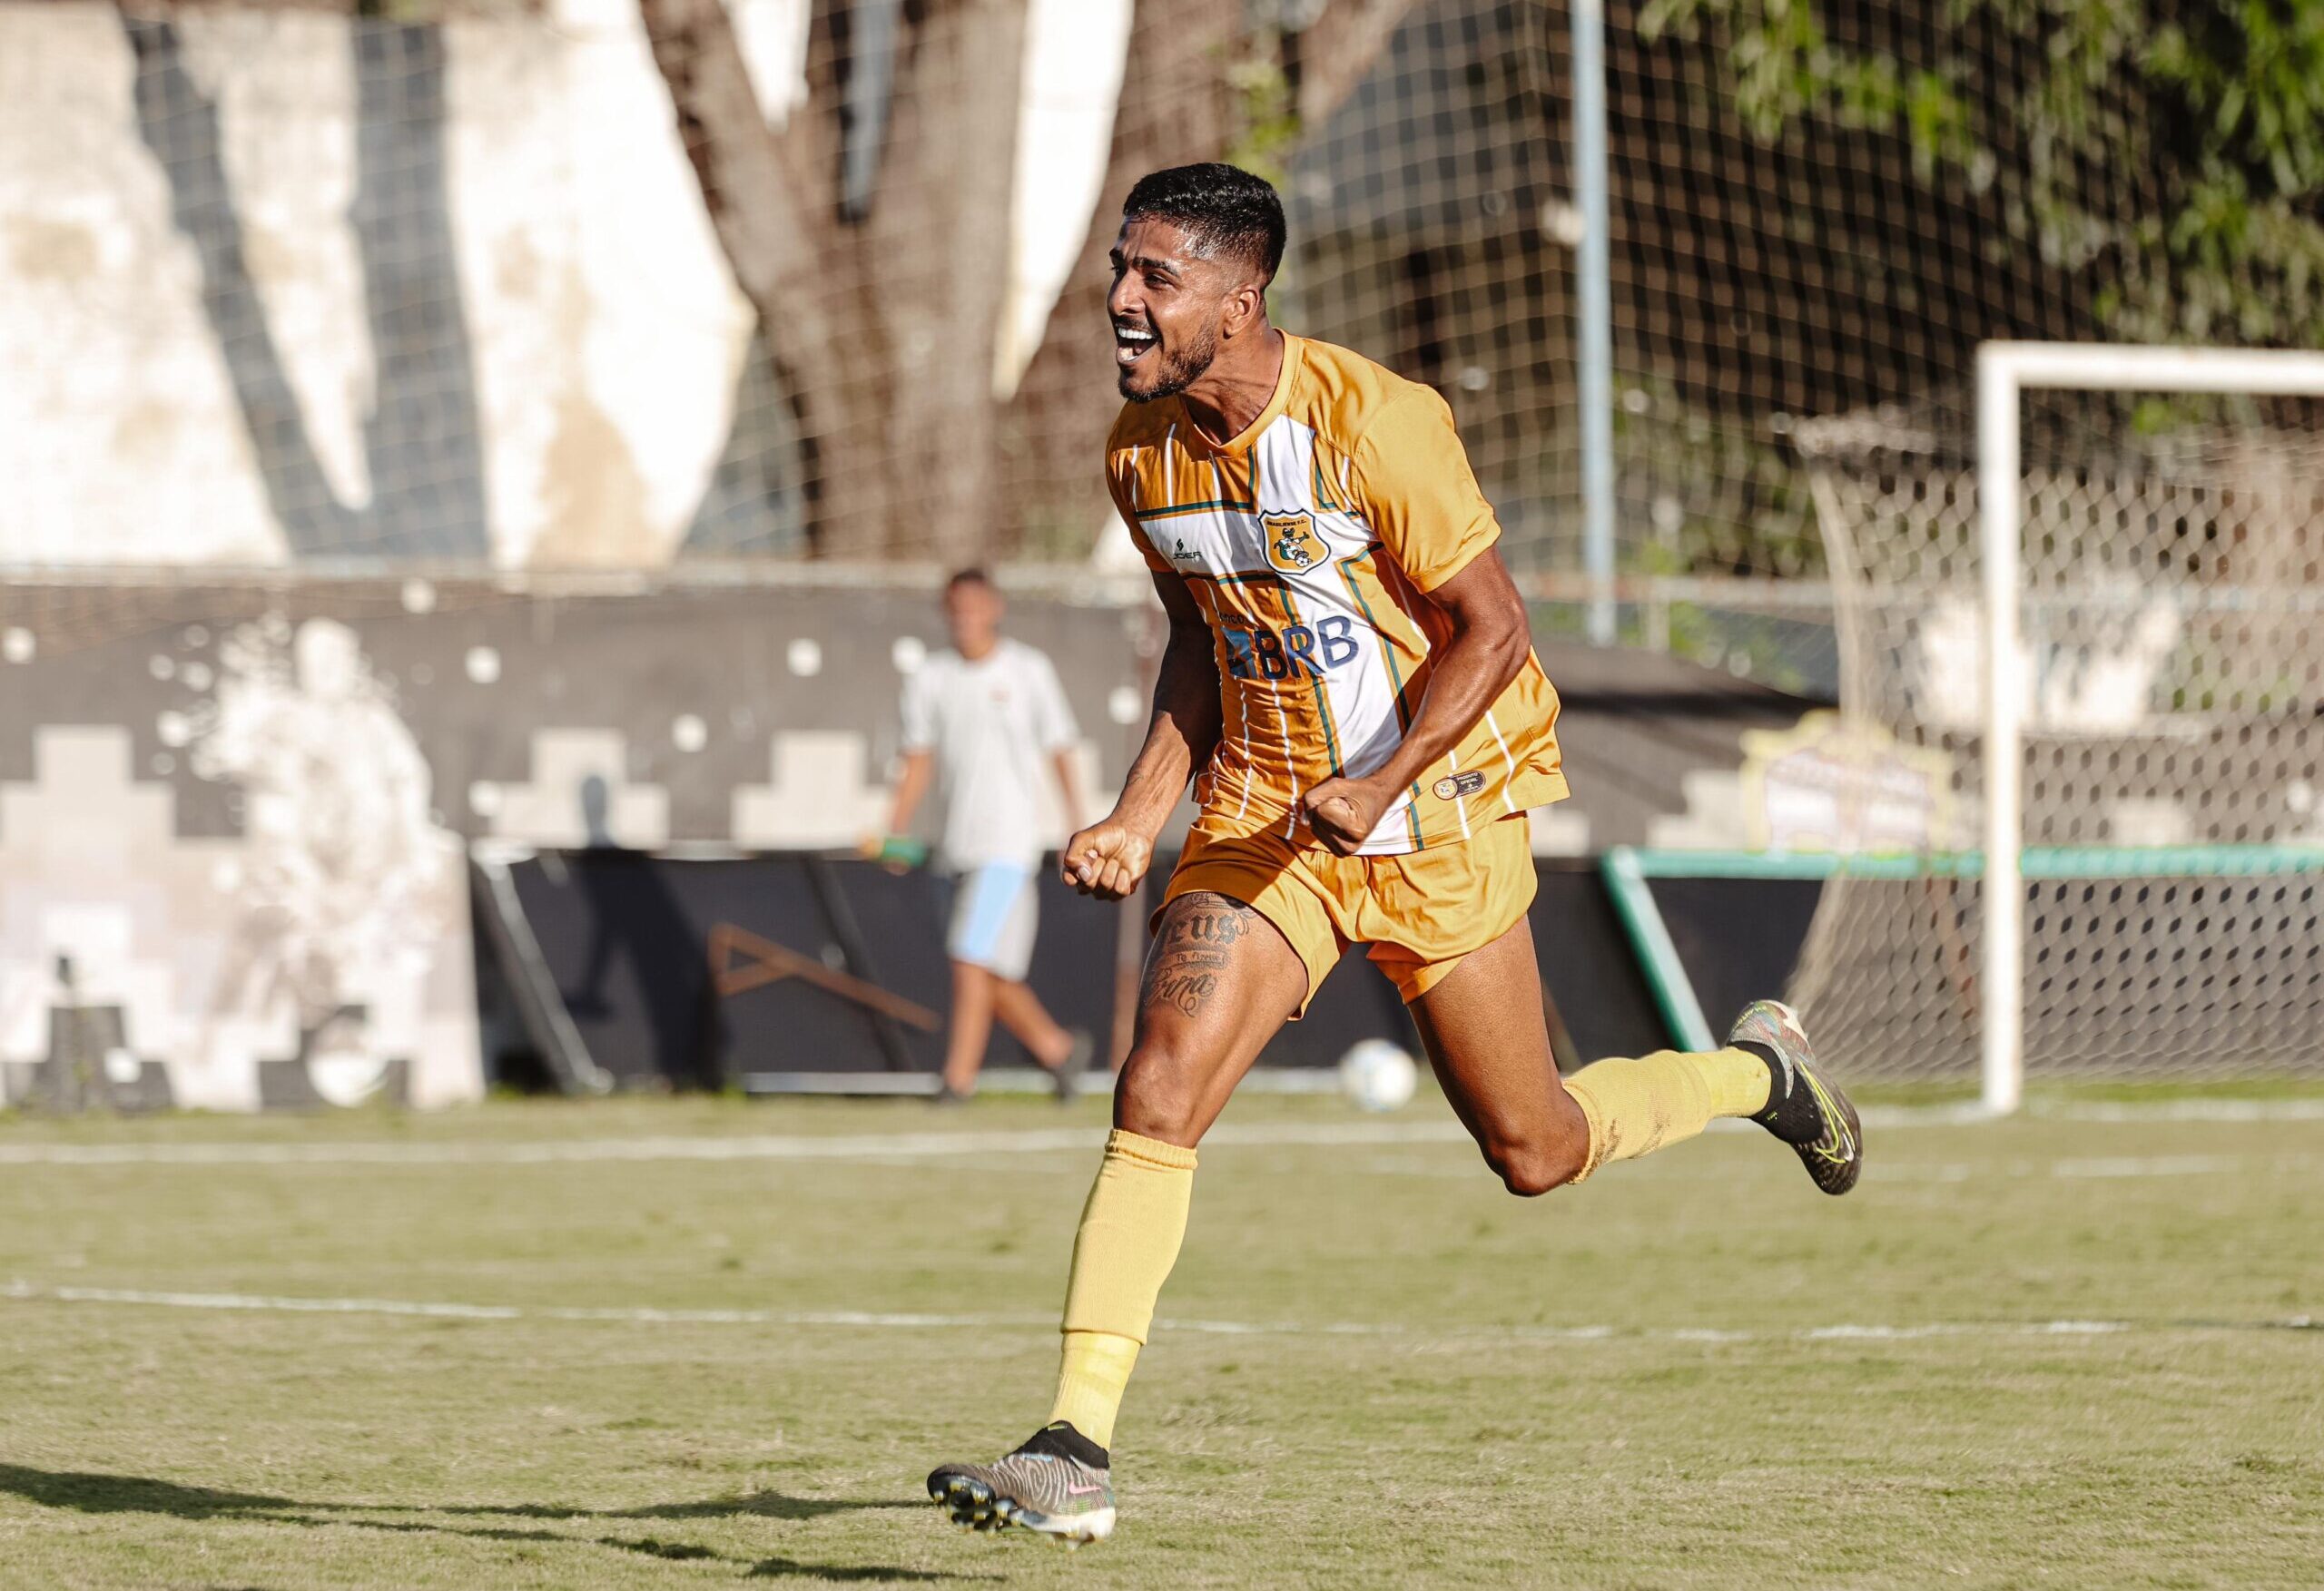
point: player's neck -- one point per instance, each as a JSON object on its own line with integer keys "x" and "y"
{"x": 1237, "y": 387}
{"x": 991, "y": 644}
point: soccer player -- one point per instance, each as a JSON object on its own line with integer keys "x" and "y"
{"x": 1350, "y": 683}
{"x": 980, "y": 719}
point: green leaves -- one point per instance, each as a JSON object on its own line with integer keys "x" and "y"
{"x": 2208, "y": 114}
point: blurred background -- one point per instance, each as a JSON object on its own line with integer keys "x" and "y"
{"x": 478, "y": 473}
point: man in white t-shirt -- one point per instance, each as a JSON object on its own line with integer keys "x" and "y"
{"x": 980, "y": 720}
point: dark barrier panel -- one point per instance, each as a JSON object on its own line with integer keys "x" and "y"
{"x": 1586, "y": 960}
{"x": 628, "y": 939}
{"x": 1738, "y": 939}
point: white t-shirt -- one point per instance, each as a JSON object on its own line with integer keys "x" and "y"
{"x": 994, "y": 725}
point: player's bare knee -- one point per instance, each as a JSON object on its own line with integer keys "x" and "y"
{"x": 1156, "y": 1096}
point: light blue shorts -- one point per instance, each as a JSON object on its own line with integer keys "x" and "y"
{"x": 996, "y": 911}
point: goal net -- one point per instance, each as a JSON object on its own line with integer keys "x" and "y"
{"x": 2094, "y": 612}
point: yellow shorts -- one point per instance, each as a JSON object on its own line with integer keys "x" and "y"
{"x": 1420, "y": 913}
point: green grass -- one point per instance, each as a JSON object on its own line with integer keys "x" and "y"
{"x": 1459, "y": 1441}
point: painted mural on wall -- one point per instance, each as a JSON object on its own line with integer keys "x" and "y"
{"x": 346, "y": 883}
{"x": 232, "y": 816}
{"x": 303, "y": 940}
{"x": 280, "y": 284}
{"x": 277, "y": 284}
{"x": 140, "y": 967}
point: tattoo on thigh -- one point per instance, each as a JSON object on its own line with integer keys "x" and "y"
{"x": 1189, "y": 961}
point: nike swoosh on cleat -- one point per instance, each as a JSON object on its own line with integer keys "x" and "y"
{"x": 1083, "y": 1491}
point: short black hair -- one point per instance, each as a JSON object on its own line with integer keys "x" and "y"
{"x": 1223, "y": 209}
{"x": 972, "y": 576}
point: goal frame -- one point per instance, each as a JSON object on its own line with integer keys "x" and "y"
{"x": 2006, "y": 371}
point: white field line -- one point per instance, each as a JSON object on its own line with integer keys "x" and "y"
{"x": 2179, "y": 1110}
{"x": 2123, "y": 1168}
{"x": 1969, "y": 1113}
{"x": 925, "y": 1145}
{"x": 24, "y": 1291}
{"x": 2128, "y": 1168}
{"x": 764, "y": 1147}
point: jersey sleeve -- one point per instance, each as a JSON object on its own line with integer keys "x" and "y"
{"x": 1417, "y": 491}
{"x": 918, "y": 712}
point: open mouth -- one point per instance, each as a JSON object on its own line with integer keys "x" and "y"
{"x": 1131, "y": 343}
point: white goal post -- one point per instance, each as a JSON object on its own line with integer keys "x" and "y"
{"x": 2005, "y": 373}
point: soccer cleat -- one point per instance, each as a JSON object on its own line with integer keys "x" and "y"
{"x": 1803, "y": 1109}
{"x": 1059, "y": 1485}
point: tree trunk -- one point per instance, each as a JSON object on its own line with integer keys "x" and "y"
{"x": 879, "y": 321}
{"x": 778, "y": 242}
{"x": 881, "y": 316}
{"x": 1335, "y": 53}
{"x": 937, "y": 252}
{"x": 1175, "y": 107}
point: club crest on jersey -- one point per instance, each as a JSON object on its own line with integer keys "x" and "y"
{"x": 1293, "y": 546}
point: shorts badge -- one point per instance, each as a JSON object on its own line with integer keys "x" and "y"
{"x": 1293, "y": 546}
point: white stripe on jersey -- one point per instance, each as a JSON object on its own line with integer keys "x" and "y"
{"x": 1361, "y": 709}
{"x": 1361, "y": 696}
{"x": 1459, "y": 803}
{"x": 1291, "y": 766}
{"x": 1510, "y": 777}
{"x": 1243, "y": 711}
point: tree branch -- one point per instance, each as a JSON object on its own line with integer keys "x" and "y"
{"x": 1336, "y": 53}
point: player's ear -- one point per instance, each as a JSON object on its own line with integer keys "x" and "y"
{"x": 1247, "y": 307}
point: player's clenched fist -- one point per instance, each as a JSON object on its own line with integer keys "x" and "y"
{"x": 1342, "y": 812}
{"x": 1106, "y": 860}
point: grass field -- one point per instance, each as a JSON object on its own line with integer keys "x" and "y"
{"x": 2062, "y": 1351}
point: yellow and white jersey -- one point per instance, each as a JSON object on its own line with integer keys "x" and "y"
{"x": 1308, "y": 541}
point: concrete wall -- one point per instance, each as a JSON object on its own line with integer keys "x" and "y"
{"x": 277, "y": 284}
{"x": 282, "y": 286}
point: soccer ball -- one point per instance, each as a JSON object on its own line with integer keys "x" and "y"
{"x": 1377, "y": 1076}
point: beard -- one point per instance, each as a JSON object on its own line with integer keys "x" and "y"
{"x": 1180, "y": 368}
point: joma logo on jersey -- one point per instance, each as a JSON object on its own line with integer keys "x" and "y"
{"x": 1293, "y": 546}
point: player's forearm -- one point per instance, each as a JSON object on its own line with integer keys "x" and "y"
{"x": 1465, "y": 677}
{"x": 1180, "y": 736}
{"x": 919, "y": 768}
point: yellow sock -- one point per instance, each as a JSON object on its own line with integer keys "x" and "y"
{"x": 1090, "y": 1381}
{"x": 1739, "y": 1082}
{"x": 1637, "y": 1106}
{"x": 1130, "y": 1232}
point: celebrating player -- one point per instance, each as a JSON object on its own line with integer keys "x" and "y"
{"x": 1351, "y": 684}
